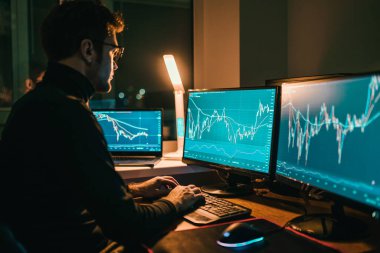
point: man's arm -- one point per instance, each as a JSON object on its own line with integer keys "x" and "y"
{"x": 104, "y": 192}
{"x": 101, "y": 188}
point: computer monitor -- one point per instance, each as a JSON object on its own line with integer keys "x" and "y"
{"x": 131, "y": 132}
{"x": 328, "y": 134}
{"x": 232, "y": 131}
{"x": 279, "y": 82}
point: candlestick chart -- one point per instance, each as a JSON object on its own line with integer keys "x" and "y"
{"x": 232, "y": 128}
{"x": 329, "y": 133}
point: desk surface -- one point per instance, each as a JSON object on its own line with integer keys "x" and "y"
{"x": 275, "y": 208}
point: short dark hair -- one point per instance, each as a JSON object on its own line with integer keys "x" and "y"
{"x": 70, "y": 22}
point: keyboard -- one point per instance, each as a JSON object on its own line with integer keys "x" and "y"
{"x": 216, "y": 209}
{"x": 125, "y": 161}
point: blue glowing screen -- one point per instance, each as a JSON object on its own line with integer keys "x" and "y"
{"x": 329, "y": 131}
{"x": 131, "y": 131}
{"x": 231, "y": 127}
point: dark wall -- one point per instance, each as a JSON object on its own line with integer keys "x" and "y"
{"x": 263, "y": 41}
{"x": 289, "y": 38}
{"x": 333, "y": 36}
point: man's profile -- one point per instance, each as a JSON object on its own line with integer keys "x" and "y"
{"x": 59, "y": 189}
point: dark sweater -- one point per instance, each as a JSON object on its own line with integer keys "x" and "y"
{"x": 59, "y": 189}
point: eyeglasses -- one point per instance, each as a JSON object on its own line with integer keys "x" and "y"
{"x": 118, "y": 53}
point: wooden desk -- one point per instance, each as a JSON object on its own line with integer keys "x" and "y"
{"x": 273, "y": 207}
{"x": 279, "y": 209}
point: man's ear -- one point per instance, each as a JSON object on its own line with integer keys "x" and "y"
{"x": 87, "y": 51}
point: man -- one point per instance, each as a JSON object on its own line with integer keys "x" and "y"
{"x": 60, "y": 192}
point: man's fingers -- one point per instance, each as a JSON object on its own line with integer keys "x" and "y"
{"x": 172, "y": 179}
{"x": 168, "y": 182}
{"x": 196, "y": 190}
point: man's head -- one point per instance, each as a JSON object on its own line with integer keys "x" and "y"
{"x": 82, "y": 35}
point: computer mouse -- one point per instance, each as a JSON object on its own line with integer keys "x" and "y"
{"x": 239, "y": 235}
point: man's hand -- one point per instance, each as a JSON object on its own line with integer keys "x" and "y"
{"x": 184, "y": 197}
{"x": 152, "y": 188}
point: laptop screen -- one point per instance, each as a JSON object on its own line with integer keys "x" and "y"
{"x": 131, "y": 131}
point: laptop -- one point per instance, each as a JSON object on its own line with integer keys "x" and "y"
{"x": 134, "y": 137}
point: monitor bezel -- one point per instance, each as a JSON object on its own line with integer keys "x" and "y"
{"x": 297, "y": 184}
{"x": 131, "y": 153}
{"x": 278, "y": 82}
{"x": 231, "y": 169}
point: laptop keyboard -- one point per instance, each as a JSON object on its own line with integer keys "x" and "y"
{"x": 135, "y": 161}
{"x": 217, "y": 209}
{"x": 123, "y": 158}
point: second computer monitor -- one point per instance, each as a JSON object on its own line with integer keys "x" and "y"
{"x": 231, "y": 128}
{"x": 329, "y": 134}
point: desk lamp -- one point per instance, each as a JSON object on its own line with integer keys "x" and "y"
{"x": 175, "y": 78}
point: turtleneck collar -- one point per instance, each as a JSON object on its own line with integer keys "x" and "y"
{"x": 69, "y": 80}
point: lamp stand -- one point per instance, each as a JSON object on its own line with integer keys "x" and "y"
{"x": 180, "y": 124}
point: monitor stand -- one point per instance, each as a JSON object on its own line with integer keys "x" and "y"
{"x": 335, "y": 226}
{"x": 283, "y": 189}
{"x": 235, "y": 185}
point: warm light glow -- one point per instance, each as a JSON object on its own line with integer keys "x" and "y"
{"x": 172, "y": 69}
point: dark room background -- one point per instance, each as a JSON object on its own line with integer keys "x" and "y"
{"x": 301, "y": 38}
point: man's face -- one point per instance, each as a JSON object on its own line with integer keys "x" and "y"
{"x": 105, "y": 69}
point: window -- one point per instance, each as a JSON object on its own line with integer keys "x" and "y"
{"x": 154, "y": 28}
{"x": 5, "y": 54}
